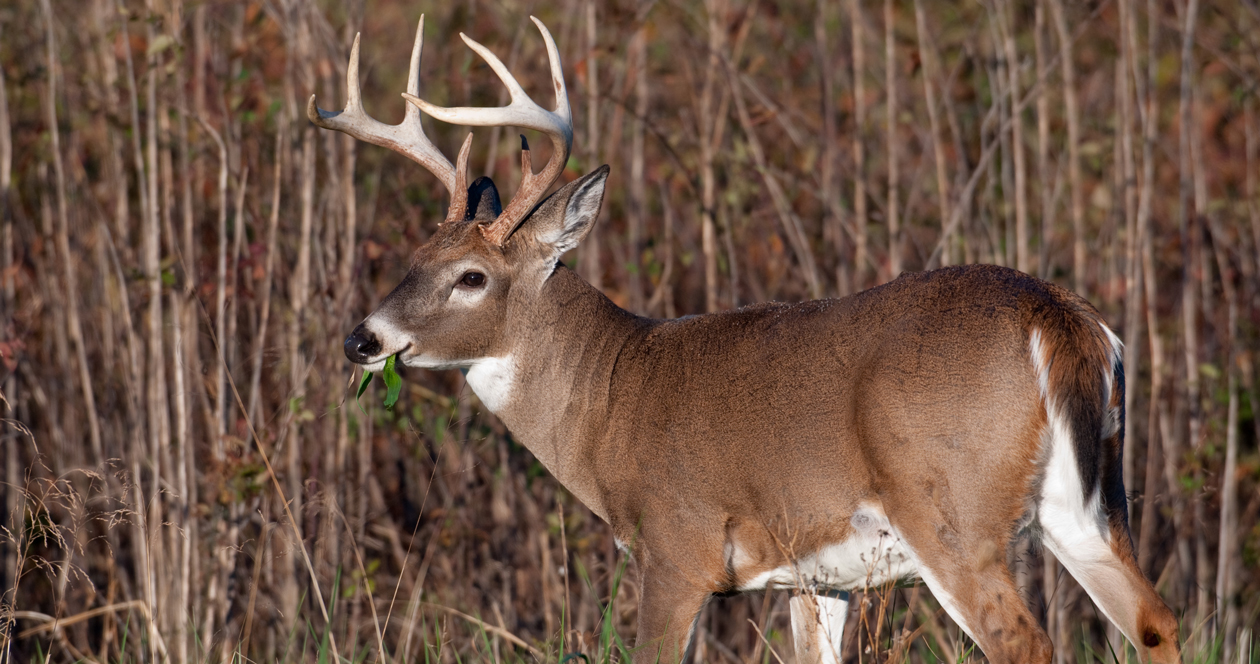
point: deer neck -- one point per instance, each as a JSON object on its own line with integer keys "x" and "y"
{"x": 552, "y": 388}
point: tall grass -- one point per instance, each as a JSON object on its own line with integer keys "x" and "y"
{"x": 186, "y": 476}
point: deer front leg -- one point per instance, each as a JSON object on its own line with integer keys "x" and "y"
{"x": 667, "y": 617}
{"x": 818, "y": 625}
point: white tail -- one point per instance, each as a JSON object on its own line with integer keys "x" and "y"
{"x": 914, "y": 430}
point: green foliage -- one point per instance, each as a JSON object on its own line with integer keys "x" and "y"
{"x": 393, "y": 384}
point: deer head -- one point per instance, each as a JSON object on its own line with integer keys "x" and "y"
{"x": 484, "y": 261}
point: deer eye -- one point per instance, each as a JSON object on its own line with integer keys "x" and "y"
{"x": 473, "y": 280}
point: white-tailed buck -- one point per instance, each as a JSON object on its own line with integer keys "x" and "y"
{"x": 915, "y": 430}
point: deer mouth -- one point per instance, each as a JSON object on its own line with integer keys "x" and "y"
{"x": 366, "y": 349}
{"x": 375, "y": 367}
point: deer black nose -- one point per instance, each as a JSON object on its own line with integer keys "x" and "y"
{"x": 362, "y": 346}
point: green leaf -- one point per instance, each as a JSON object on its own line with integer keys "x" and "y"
{"x": 159, "y": 44}
{"x": 393, "y": 383}
{"x": 367, "y": 378}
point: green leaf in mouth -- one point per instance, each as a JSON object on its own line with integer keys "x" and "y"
{"x": 393, "y": 384}
{"x": 363, "y": 383}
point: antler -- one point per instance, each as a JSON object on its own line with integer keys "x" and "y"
{"x": 406, "y": 137}
{"x": 521, "y": 112}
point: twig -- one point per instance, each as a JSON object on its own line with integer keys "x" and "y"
{"x": 51, "y": 623}
{"x": 766, "y": 641}
{"x": 565, "y": 616}
{"x": 481, "y": 624}
{"x": 380, "y": 640}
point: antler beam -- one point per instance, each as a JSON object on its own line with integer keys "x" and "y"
{"x": 407, "y": 137}
{"x": 521, "y": 112}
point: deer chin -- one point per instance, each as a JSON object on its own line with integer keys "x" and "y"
{"x": 376, "y": 366}
{"x": 421, "y": 360}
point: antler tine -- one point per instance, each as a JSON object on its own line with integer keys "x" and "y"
{"x": 521, "y": 112}
{"x": 459, "y": 204}
{"x": 557, "y": 74}
{"x": 407, "y": 137}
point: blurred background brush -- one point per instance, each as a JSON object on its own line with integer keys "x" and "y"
{"x": 156, "y": 162}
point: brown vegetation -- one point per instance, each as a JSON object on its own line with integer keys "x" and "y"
{"x": 183, "y": 252}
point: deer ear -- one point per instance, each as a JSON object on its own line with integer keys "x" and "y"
{"x": 483, "y": 201}
{"x": 562, "y": 220}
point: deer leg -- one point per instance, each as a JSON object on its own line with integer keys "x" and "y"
{"x": 818, "y": 625}
{"x": 987, "y": 605}
{"x": 967, "y": 573}
{"x": 667, "y": 615}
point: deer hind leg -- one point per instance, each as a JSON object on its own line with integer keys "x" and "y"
{"x": 967, "y": 573}
{"x": 987, "y": 605}
{"x": 667, "y": 620}
{"x": 818, "y": 625}
{"x": 981, "y": 597}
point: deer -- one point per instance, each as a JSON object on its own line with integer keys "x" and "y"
{"x": 913, "y": 431}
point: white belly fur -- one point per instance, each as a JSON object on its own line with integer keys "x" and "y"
{"x": 874, "y": 554}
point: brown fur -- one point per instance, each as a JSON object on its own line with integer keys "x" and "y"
{"x": 764, "y": 429}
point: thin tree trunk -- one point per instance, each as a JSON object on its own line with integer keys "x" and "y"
{"x": 264, "y": 308}
{"x": 140, "y": 421}
{"x": 1227, "y": 547}
{"x": 1150, "y": 124}
{"x": 1243, "y": 365}
{"x": 299, "y": 365}
{"x": 1050, "y": 587}
{"x": 1023, "y": 257}
{"x": 1253, "y": 203}
{"x": 932, "y": 72}
{"x": 181, "y": 330}
{"x": 156, "y": 372}
{"x": 299, "y": 291}
{"x": 230, "y": 345}
{"x": 1044, "y": 173}
{"x": 1002, "y": 172}
{"x": 662, "y": 299}
{"x": 187, "y": 359}
{"x": 708, "y": 122}
{"x": 9, "y": 388}
{"x": 1190, "y": 272}
{"x": 1208, "y": 620}
{"x": 636, "y": 219}
{"x": 349, "y": 492}
{"x": 68, "y": 261}
{"x": 1249, "y": 183}
{"x": 894, "y": 175}
{"x": 1133, "y": 273}
{"x": 859, "y": 148}
{"x": 591, "y": 260}
{"x": 833, "y": 223}
{"x": 1074, "y": 142}
{"x": 220, "y": 322}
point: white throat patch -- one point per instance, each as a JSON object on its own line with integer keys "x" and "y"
{"x": 492, "y": 378}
